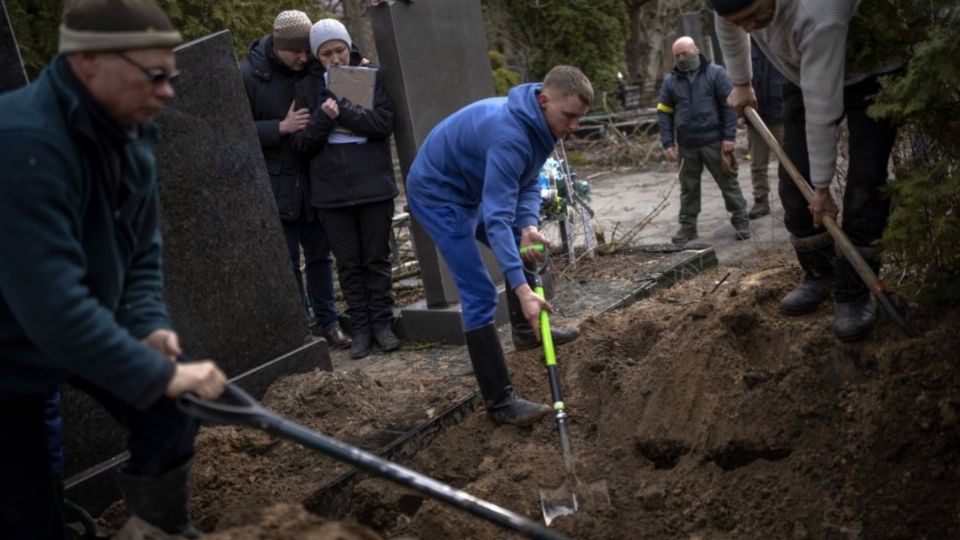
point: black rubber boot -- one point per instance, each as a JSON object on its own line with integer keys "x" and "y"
{"x": 522, "y": 333}
{"x": 490, "y": 368}
{"x": 160, "y": 501}
{"x": 816, "y": 256}
{"x": 854, "y": 311}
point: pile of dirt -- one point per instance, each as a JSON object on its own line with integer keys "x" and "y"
{"x": 713, "y": 416}
{"x": 292, "y": 522}
{"x": 709, "y": 414}
{"x": 238, "y": 470}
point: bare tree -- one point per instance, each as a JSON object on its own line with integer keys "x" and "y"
{"x": 356, "y": 18}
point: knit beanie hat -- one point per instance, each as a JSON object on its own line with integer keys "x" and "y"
{"x": 291, "y": 31}
{"x": 726, "y": 7}
{"x": 325, "y": 30}
{"x": 107, "y": 25}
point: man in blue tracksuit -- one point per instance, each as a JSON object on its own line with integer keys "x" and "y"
{"x": 476, "y": 178}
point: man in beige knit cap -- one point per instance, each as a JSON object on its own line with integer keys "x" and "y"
{"x": 274, "y": 66}
{"x": 83, "y": 300}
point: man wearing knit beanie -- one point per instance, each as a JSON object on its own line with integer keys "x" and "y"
{"x": 808, "y": 42}
{"x": 291, "y": 31}
{"x": 275, "y": 65}
{"x": 84, "y": 302}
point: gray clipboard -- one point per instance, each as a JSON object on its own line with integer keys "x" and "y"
{"x": 354, "y": 83}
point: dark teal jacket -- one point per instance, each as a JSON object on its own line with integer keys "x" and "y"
{"x": 80, "y": 279}
{"x": 695, "y": 105}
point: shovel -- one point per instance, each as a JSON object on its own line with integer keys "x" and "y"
{"x": 236, "y": 407}
{"x": 869, "y": 278}
{"x": 573, "y": 493}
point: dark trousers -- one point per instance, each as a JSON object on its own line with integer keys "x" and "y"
{"x": 865, "y": 208}
{"x": 360, "y": 239}
{"x": 318, "y": 294}
{"x": 160, "y": 440}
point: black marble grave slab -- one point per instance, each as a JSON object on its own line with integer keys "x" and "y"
{"x": 435, "y": 57}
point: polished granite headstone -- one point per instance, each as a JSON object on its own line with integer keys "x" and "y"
{"x": 228, "y": 281}
{"x": 435, "y": 60}
{"x": 229, "y": 285}
{"x": 12, "y": 74}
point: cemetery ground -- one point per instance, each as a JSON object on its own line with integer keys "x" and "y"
{"x": 709, "y": 414}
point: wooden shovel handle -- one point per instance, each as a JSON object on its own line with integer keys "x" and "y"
{"x": 846, "y": 247}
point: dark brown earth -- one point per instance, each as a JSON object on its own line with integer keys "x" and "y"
{"x": 709, "y": 414}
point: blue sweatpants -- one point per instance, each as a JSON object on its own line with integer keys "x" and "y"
{"x": 455, "y": 230}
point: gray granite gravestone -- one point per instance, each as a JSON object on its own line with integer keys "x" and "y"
{"x": 228, "y": 282}
{"x": 12, "y": 73}
{"x": 435, "y": 57}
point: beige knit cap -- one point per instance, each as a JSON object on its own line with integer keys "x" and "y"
{"x": 291, "y": 31}
{"x": 109, "y": 25}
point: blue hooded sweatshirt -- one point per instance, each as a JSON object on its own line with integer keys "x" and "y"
{"x": 489, "y": 154}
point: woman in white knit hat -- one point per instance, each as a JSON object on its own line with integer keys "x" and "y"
{"x": 352, "y": 186}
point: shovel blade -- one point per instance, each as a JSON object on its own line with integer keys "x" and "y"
{"x": 556, "y": 502}
{"x": 567, "y": 499}
{"x": 593, "y": 494}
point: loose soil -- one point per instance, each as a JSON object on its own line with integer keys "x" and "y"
{"x": 709, "y": 414}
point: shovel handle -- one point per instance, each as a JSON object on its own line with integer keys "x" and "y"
{"x": 846, "y": 246}
{"x": 236, "y": 407}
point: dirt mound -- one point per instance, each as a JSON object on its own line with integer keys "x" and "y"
{"x": 289, "y": 522}
{"x": 239, "y": 469}
{"x": 711, "y": 415}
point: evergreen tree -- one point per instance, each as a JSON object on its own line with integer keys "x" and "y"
{"x": 588, "y": 34}
{"x": 923, "y": 235}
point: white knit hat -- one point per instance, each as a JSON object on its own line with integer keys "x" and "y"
{"x": 291, "y": 31}
{"x": 325, "y": 30}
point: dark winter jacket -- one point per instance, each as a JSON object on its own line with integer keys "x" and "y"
{"x": 270, "y": 88}
{"x": 80, "y": 282}
{"x": 350, "y": 174}
{"x": 768, "y": 84}
{"x": 695, "y": 104}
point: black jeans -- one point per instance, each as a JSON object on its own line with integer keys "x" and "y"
{"x": 360, "y": 239}
{"x": 865, "y": 208}
{"x": 160, "y": 440}
{"x": 318, "y": 295}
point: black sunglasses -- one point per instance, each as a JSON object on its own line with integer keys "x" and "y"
{"x": 157, "y": 76}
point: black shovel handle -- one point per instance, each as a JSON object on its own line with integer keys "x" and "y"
{"x": 236, "y": 407}
{"x": 846, "y": 246}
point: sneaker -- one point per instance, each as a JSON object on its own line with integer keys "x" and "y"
{"x": 684, "y": 235}
{"x": 743, "y": 230}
